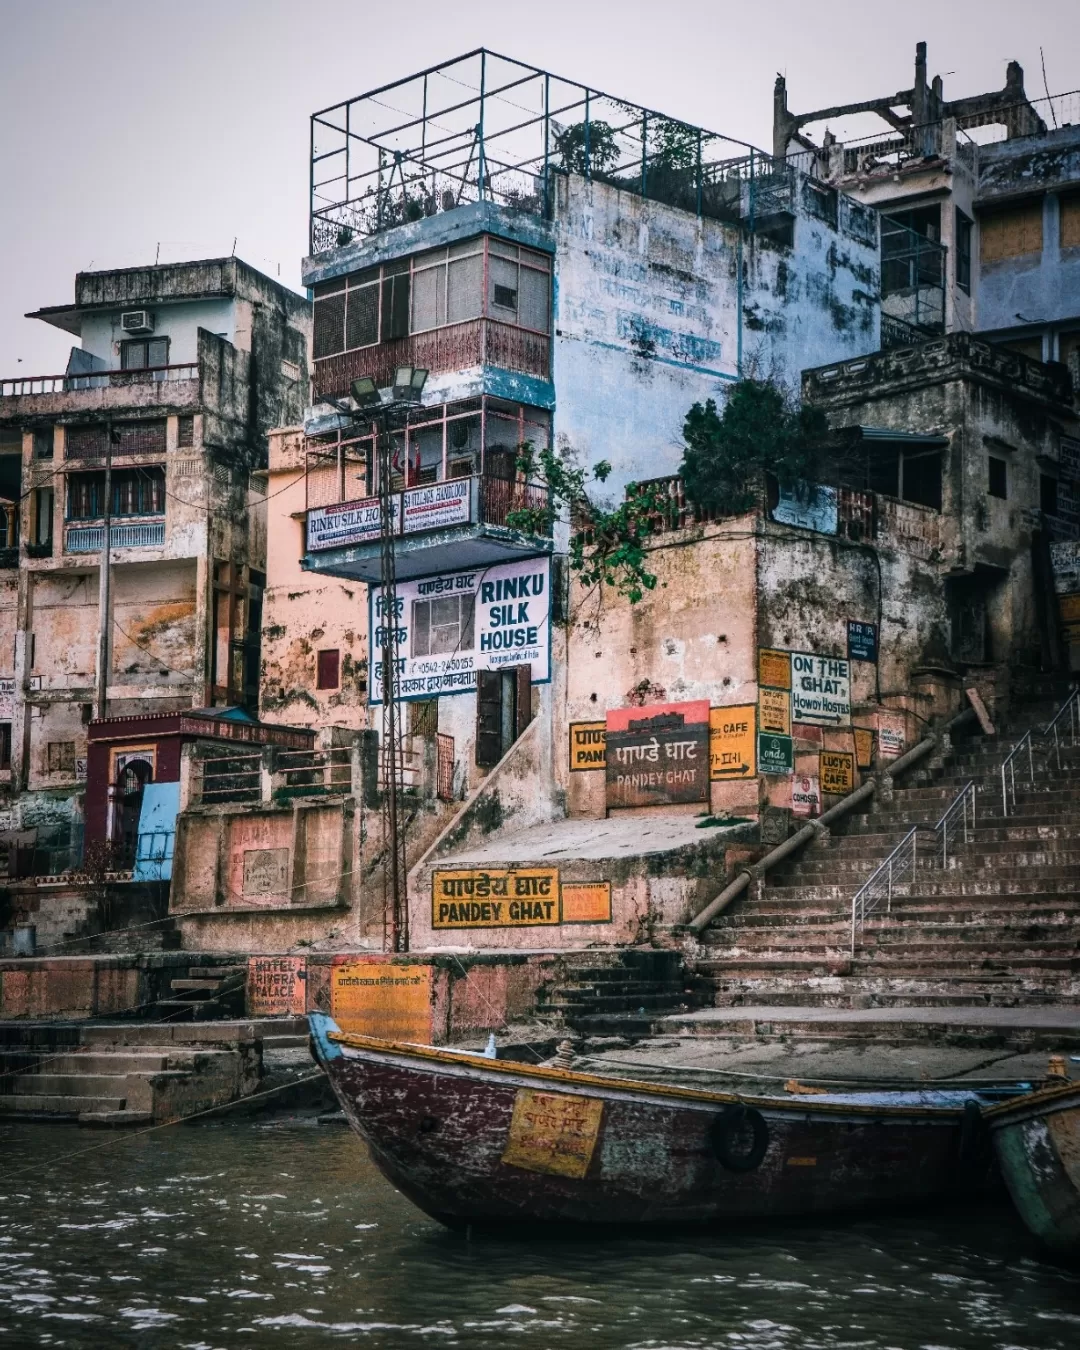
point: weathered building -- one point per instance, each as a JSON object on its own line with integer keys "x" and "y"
{"x": 140, "y": 474}
{"x": 981, "y": 203}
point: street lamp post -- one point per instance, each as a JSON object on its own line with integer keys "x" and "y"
{"x": 408, "y": 386}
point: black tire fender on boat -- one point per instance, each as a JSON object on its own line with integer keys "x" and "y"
{"x": 728, "y": 1132}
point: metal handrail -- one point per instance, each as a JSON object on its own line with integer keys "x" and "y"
{"x": 879, "y": 885}
{"x": 1072, "y": 707}
{"x": 1008, "y": 771}
{"x": 963, "y": 801}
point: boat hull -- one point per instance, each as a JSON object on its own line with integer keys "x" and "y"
{"x": 1037, "y": 1141}
{"x": 474, "y": 1141}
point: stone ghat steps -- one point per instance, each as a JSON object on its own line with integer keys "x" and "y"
{"x": 763, "y": 1026}
{"x": 969, "y": 941}
{"x": 134, "y": 1074}
{"x": 205, "y": 992}
{"x": 830, "y": 990}
{"x": 1003, "y": 858}
{"x": 625, "y": 989}
{"x": 988, "y": 818}
{"x": 781, "y": 913}
{"x": 930, "y": 884}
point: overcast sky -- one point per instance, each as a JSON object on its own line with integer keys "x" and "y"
{"x": 131, "y": 128}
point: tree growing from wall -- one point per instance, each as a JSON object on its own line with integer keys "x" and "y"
{"x": 762, "y": 428}
{"x": 590, "y": 145}
{"x": 607, "y": 547}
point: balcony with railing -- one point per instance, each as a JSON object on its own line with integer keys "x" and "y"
{"x": 459, "y": 498}
{"x": 155, "y": 386}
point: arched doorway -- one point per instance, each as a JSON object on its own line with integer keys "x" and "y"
{"x": 127, "y": 793}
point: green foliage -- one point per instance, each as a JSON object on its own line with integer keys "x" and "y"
{"x": 761, "y": 428}
{"x": 602, "y": 147}
{"x": 606, "y": 547}
{"x": 673, "y": 144}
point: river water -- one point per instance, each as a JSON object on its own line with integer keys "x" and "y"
{"x": 281, "y": 1233}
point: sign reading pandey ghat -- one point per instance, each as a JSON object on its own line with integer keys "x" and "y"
{"x": 588, "y": 746}
{"x": 658, "y": 755}
{"x": 501, "y": 897}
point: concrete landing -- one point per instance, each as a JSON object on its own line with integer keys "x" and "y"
{"x": 717, "y": 1021}
{"x": 582, "y": 840}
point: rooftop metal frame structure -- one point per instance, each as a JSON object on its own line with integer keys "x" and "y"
{"x": 484, "y": 127}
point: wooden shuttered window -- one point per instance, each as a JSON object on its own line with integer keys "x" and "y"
{"x": 1011, "y": 231}
{"x": 488, "y": 718}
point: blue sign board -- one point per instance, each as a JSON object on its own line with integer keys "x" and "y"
{"x": 861, "y": 641}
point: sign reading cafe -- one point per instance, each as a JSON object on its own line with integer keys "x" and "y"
{"x": 451, "y": 626}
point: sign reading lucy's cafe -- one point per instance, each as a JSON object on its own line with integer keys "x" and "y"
{"x": 450, "y": 626}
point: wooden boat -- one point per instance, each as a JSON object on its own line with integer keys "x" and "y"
{"x": 1037, "y": 1141}
{"x": 472, "y": 1140}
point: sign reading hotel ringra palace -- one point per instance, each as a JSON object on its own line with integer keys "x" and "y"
{"x": 658, "y": 755}
{"x": 451, "y": 626}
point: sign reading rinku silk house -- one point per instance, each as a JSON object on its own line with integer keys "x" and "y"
{"x": 437, "y": 506}
{"x": 451, "y": 626}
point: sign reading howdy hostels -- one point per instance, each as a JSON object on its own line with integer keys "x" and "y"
{"x": 820, "y": 685}
{"x": 587, "y": 746}
{"x": 837, "y": 771}
{"x": 658, "y": 755}
{"x": 731, "y": 742}
{"x": 499, "y": 897}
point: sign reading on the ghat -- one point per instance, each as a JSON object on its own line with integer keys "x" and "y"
{"x": 731, "y": 742}
{"x": 861, "y": 641}
{"x": 820, "y": 689}
{"x": 658, "y": 755}
{"x": 553, "y": 1132}
{"x": 586, "y": 902}
{"x": 864, "y": 747}
{"x": 276, "y": 986}
{"x": 774, "y": 668}
{"x": 380, "y": 998}
{"x": 837, "y": 769}
{"x": 587, "y": 746}
{"x": 505, "y": 897}
{"x": 776, "y": 754}
{"x": 774, "y": 710}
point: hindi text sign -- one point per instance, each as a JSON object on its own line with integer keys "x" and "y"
{"x": 587, "y": 746}
{"x": 774, "y": 668}
{"x": 731, "y": 742}
{"x": 553, "y": 1133}
{"x": 586, "y": 902}
{"x": 381, "y": 998}
{"x": 658, "y": 755}
{"x": 500, "y": 897}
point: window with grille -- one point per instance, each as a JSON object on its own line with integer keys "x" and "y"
{"x": 997, "y": 483}
{"x": 128, "y": 438}
{"x": 144, "y": 353}
{"x": 1011, "y": 232}
{"x": 5, "y": 745}
{"x": 185, "y": 432}
{"x": 442, "y": 625}
{"x": 43, "y": 442}
{"x": 135, "y": 492}
{"x": 328, "y": 669}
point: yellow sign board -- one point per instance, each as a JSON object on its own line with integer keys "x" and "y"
{"x": 588, "y": 749}
{"x": 503, "y": 897}
{"x": 774, "y": 712}
{"x": 553, "y": 1132}
{"x": 381, "y": 998}
{"x": 837, "y": 771}
{"x": 586, "y": 902}
{"x": 864, "y": 747}
{"x": 774, "y": 668}
{"x": 731, "y": 742}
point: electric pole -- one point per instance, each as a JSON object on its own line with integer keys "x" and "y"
{"x": 104, "y": 646}
{"x": 396, "y": 912}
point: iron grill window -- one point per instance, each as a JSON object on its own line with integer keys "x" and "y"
{"x": 135, "y": 492}
{"x": 185, "y": 432}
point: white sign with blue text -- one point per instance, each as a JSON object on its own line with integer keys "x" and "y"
{"x": 451, "y": 626}
{"x": 820, "y": 690}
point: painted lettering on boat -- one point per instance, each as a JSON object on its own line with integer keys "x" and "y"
{"x": 553, "y": 1132}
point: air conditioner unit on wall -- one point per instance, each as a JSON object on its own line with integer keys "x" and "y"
{"x": 137, "y": 321}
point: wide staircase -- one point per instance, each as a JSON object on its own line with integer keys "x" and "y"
{"x": 987, "y": 916}
{"x": 619, "y": 992}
